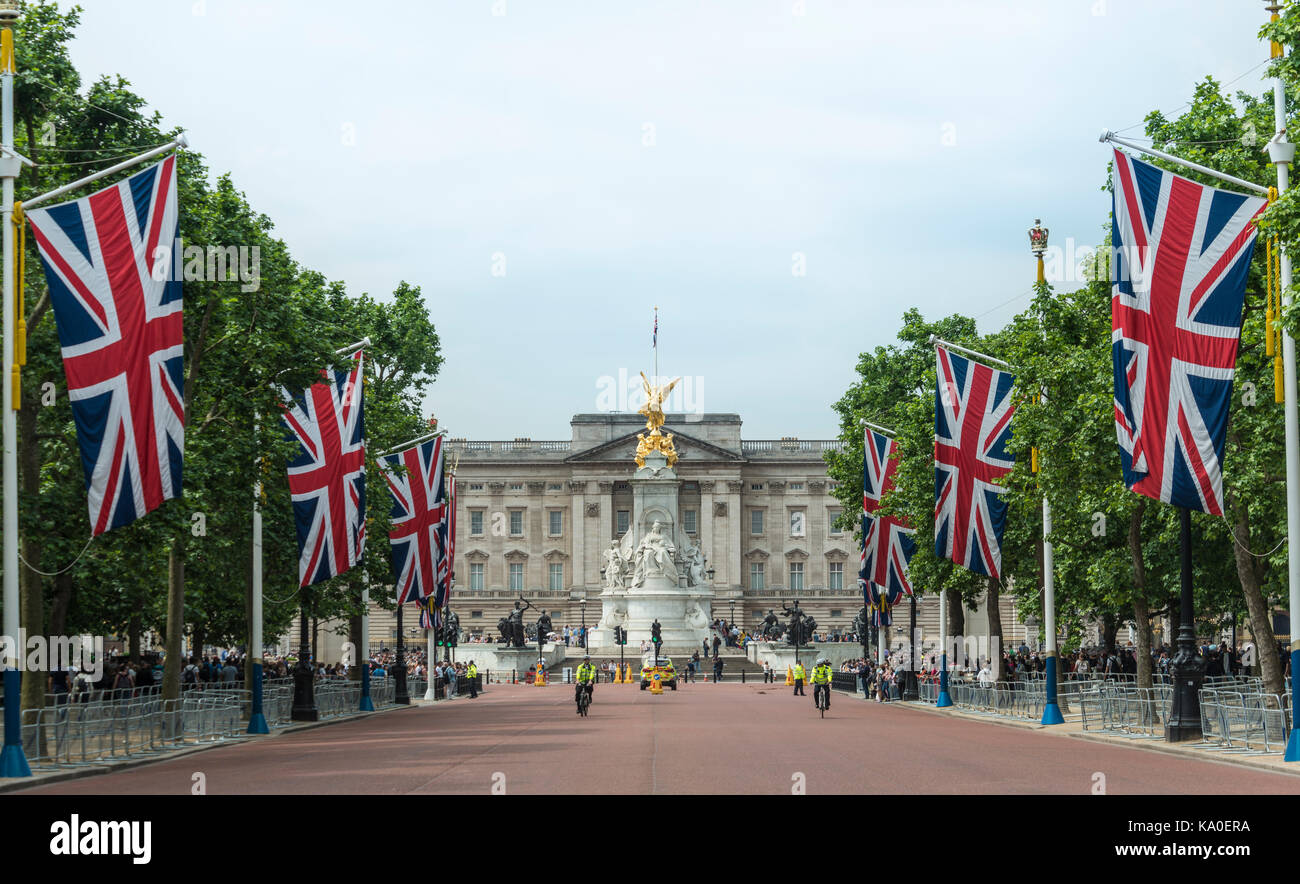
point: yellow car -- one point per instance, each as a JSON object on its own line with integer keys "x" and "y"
{"x": 667, "y": 674}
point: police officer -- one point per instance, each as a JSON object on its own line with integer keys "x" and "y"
{"x": 798, "y": 680}
{"x": 821, "y": 679}
{"x": 471, "y": 672}
{"x": 586, "y": 681}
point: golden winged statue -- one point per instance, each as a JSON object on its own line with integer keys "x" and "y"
{"x": 654, "y": 419}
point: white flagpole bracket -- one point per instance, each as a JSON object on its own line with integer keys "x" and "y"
{"x": 179, "y": 142}
{"x": 936, "y": 341}
{"x": 416, "y": 441}
{"x": 1187, "y": 164}
{"x": 879, "y": 429}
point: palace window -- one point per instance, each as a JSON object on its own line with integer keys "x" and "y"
{"x": 557, "y": 522}
{"x": 796, "y": 486}
{"x": 516, "y": 523}
{"x": 476, "y": 523}
{"x": 689, "y": 520}
{"x": 555, "y": 486}
{"x": 623, "y": 519}
{"x": 756, "y": 580}
{"x": 832, "y": 516}
{"x": 557, "y": 575}
{"x": 837, "y": 575}
{"x": 796, "y": 575}
{"x": 516, "y": 576}
{"x": 755, "y": 521}
{"x": 476, "y": 577}
{"x": 516, "y": 486}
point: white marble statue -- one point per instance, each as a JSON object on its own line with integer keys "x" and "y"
{"x": 695, "y": 616}
{"x": 654, "y": 556}
{"x": 614, "y": 576}
{"x": 694, "y": 566}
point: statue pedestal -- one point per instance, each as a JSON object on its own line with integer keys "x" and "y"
{"x": 500, "y": 660}
{"x": 683, "y": 612}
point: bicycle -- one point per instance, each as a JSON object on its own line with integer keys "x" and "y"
{"x": 822, "y": 696}
{"x": 584, "y": 702}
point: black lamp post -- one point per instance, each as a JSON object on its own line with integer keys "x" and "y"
{"x": 1187, "y": 668}
{"x": 304, "y": 676}
{"x": 399, "y": 666}
{"x": 586, "y": 645}
{"x": 911, "y": 690}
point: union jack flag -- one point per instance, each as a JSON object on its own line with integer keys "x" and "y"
{"x": 427, "y": 618}
{"x": 887, "y": 543}
{"x": 972, "y": 423}
{"x": 1181, "y": 257}
{"x": 107, "y": 260}
{"x": 880, "y": 602}
{"x": 328, "y": 477}
{"x": 419, "y": 533}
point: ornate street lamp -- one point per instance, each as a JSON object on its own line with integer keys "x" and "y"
{"x": 911, "y": 689}
{"x": 1038, "y": 245}
{"x": 304, "y": 674}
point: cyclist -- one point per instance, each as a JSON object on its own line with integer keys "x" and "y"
{"x": 821, "y": 680}
{"x": 586, "y": 681}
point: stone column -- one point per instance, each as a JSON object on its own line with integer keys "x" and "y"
{"x": 736, "y": 530}
{"x": 606, "y": 512}
{"x": 577, "y": 533}
{"x": 536, "y": 539}
{"x": 706, "y": 524}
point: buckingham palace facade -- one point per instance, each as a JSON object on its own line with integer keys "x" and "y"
{"x": 533, "y": 517}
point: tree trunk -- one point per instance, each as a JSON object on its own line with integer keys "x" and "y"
{"x": 956, "y": 615}
{"x": 1109, "y": 629}
{"x": 1256, "y": 605}
{"x": 60, "y": 604}
{"x": 171, "y": 688}
{"x": 133, "y": 630}
{"x": 1141, "y": 608}
{"x": 995, "y": 629}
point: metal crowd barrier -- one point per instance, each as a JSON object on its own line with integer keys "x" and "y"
{"x": 1245, "y": 722}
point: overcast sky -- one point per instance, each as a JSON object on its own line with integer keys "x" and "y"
{"x": 547, "y": 171}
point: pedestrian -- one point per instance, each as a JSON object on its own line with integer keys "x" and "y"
{"x": 767, "y": 672}
{"x": 717, "y": 669}
{"x": 798, "y": 679}
{"x": 472, "y": 674}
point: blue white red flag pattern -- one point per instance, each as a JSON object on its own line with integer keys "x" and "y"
{"x": 107, "y": 260}
{"x": 972, "y": 424}
{"x": 887, "y": 544}
{"x": 1181, "y": 258}
{"x": 327, "y": 479}
{"x": 419, "y": 533}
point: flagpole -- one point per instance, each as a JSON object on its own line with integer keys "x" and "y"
{"x": 178, "y": 142}
{"x": 1281, "y": 153}
{"x": 936, "y": 341}
{"x": 1051, "y": 705}
{"x": 1186, "y": 164}
{"x": 13, "y": 763}
{"x": 257, "y": 718}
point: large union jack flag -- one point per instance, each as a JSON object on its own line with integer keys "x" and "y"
{"x": 107, "y": 260}
{"x": 1181, "y": 257}
{"x": 419, "y": 533}
{"x": 328, "y": 477}
{"x": 887, "y": 543}
{"x": 972, "y": 423}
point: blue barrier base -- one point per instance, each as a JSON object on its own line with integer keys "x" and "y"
{"x": 367, "y": 705}
{"x": 1052, "y": 714}
{"x": 1292, "y": 747}
{"x": 13, "y": 763}
{"x": 944, "y": 700}
{"x": 257, "y": 724}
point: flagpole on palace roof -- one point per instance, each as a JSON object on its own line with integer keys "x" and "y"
{"x": 13, "y": 763}
{"x": 1281, "y": 153}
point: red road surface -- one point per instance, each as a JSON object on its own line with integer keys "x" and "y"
{"x": 703, "y": 738}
